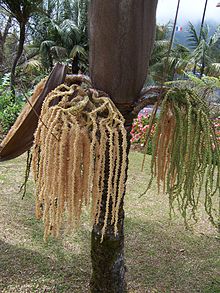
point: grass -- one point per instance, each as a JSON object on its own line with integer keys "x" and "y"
{"x": 161, "y": 256}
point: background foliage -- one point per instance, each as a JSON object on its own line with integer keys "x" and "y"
{"x": 9, "y": 109}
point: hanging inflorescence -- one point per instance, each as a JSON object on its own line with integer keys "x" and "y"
{"x": 84, "y": 142}
{"x": 186, "y": 156}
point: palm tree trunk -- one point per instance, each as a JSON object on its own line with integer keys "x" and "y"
{"x": 18, "y": 55}
{"x": 200, "y": 38}
{"x": 121, "y": 39}
{"x": 203, "y": 20}
{"x": 202, "y": 68}
{"x": 108, "y": 265}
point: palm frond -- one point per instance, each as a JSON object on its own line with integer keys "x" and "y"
{"x": 201, "y": 53}
{"x": 205, "y": 33}
{"x": 69, "y": 33}
{"x": 215, "y": 38}
{"x": 78, "y": 50}
{"x": 193, "y": 38}
{"x": 59, "y": 53}
{"x": 214, "y": 70}
{"x": 32, "y": 66}
{"x": 46, "y": 45}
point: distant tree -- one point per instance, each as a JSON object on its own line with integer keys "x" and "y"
{"x": 6, "y": 23}
{"x": 21, "y": 10}
{"x": 204, "y": 52}
{"x": 177, "y": 61}
{"x": 61, "y": 34}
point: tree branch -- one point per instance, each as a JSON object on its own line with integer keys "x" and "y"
{"x": 7, "y": 27}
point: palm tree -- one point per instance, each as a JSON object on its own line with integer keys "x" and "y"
{"x": 21, "y": 10}
{"x": 204, "y": 48}
{"x": 159, "y": 53}
{"x": 63, "y": 35}
{"x": 177, "y": 61}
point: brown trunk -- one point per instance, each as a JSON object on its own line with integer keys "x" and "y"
{"x": 200, "y": 38}
{"x": 3, "y": 37}
{"x": 121, "y": 38}
{"x": 18, "y": 55}
{"x": 108, "y": 265}
{"x": 202, "y": 68}
{"x": 1, "y": 52}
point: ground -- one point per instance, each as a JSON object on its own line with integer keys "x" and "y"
{"x": 161, "y": 256}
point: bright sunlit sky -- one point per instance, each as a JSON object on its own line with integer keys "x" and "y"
{"x": 190, "y": 10}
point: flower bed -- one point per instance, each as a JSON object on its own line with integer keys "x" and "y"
{"x": 139, "y": 131}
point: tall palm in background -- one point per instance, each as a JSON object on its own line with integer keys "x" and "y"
{"x": 61, "y": 33}
{"x": 177, "y": 62}
{"x": 204, "y": 50}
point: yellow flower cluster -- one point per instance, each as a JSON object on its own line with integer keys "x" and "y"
{"x": 83, "y": 144}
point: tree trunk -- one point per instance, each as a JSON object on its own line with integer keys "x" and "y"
{"x": 202, "y": 68}
{"x": 75, "y": 64}
{"x": 121, "y": 35}
{"x": 18, "y": 55}
{"x": 1, "y": 52}
{"x": 108, "y": 265}
{"x": 121, "y": 39}
{"x": 200, "y": 38}
{"x": 3, "y": 37}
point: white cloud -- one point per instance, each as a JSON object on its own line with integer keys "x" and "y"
{"x": 190, "y": 10}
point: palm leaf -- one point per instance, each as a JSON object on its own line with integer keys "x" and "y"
{"x": 46, "y": 45}
{"x": 205, "y": 33}
{"x": 193, "y": 38}
{"x": 214, "y": 70}
{"x": 78, "y": 49}
{"x": 69, "y": 33}
{"x": 215, "y": 38}
{"x": 32, "y": 65}
{"x": 58, "y": 52}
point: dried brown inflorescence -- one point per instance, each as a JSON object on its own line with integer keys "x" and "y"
{"x": 69, "y": 157}
{"x": 186, "y": 155}
{"x": 29, "y": 106}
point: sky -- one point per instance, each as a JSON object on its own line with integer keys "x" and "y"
{"x": 190, "y": 10}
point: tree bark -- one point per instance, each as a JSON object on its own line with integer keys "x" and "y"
{"x": 108, "y": 264}
{"x": 108, "y": 275}
{"x": 121, "y": 39}
{"x": 3, "y": 37}
{"x": 18, "y": 55}
{"x": 200, "y": 38}
{"x": 121, "y": 35}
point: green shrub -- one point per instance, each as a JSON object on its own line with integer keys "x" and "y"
{"x": 10, "y": 107}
